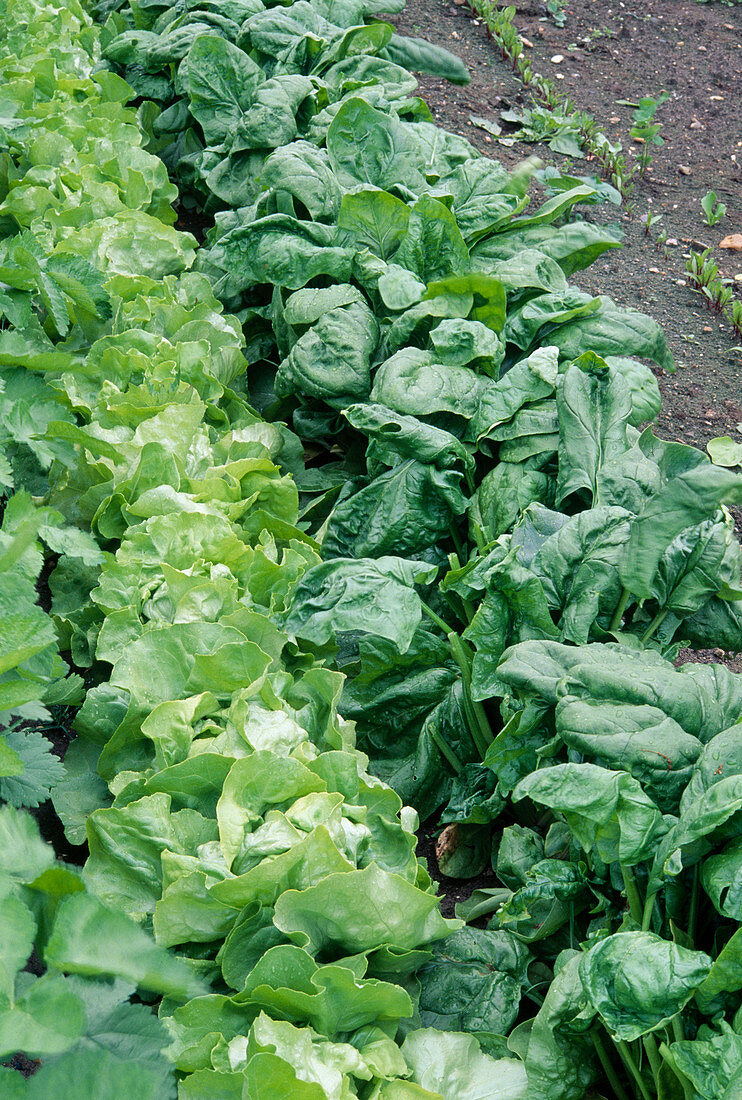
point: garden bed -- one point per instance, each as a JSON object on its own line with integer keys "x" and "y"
{"x": 635, "y": 49}
{"x": 345, "y": 515}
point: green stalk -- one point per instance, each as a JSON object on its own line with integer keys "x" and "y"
{"x": 632, "y": 894}
{"x": 451, "y": 601}
{"x": 473, "y": 719}
{"x": 693, "y": 907}
{"x": 436, "y": 618}
{"x": 447, "y": 751}
{"x": 469, "y": 609}
{"x": 476, "y": 716}
{"x": 608, "y": 1069}
{"x": 618, "y": 614}
{"x": 655, "y": 624}
{"x": 650, "y": 1045}
{"x": 628, "y": 1060}
{"x": 688, "y": 1091}
{"x": 485, "y": 735}
{"x": 479, "y": 538}
{"x": 648, "y": 910}
{"x": 456, "y": 538}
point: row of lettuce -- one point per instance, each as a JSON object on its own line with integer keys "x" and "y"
{"x": 464, "y": 544}
{"x": 245, "y": 828}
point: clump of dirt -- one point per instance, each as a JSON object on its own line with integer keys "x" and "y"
{"x": 614, "y": 50}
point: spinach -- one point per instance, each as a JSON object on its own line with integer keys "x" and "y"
{"x": 446, "y": 528}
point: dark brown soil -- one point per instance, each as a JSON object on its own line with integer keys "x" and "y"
{"x": 452, "y": 890}
{"x": 636, "y": 48}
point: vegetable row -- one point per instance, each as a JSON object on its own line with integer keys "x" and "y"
{"x": 118, "y": 367}
{"x": 411, "y": 319}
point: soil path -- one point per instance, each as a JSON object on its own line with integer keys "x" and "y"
{"x": 622, "y": 50}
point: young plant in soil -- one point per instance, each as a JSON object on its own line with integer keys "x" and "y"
{"x": 703, "y": 275}
{"x": 713, "y": 211}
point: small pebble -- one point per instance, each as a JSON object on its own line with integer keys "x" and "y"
{"x": 654, "y": 270}
{"x": 684, "y": 170}
{"x": 680, "y": 282}
{"x": 707, "y": 328}
{"x": 526, "y": 42}
{"x": 557, "y": 58}
{"x": 672, "y": 242}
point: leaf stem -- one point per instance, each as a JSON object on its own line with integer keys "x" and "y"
{"x": 469, "y": 610}
{"x": 479, "y": 537}
{"x": 436, "y": 618}
{"x": 678, "y": 1031}
{"x": 483, "y": 723}
{"x": 693, "y": 907}
{"x": 476, "y": 716}
{"x": 628, "y": 1060}
{"x": 608, "y": 1069}
{"x": 456, "y": 538}
{"x": 462, "y": 660}
{"x": 650, "y": 1045}
{"x": 618, "y": 614}
{"x": 655, "y": 624}
{"x": 632, "y": 894}
{"x": 688, "y": 1091}
{"x": 447, "y": 751}
{"x": 648, "y": 910}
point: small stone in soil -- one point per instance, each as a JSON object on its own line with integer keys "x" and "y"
{"x": 707, "y": 328}
{"x": 672, "y": 242}
{"x": 557, "y": 59}
{"x": 654, "y": 270}
{"x": 684, "y": 170}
